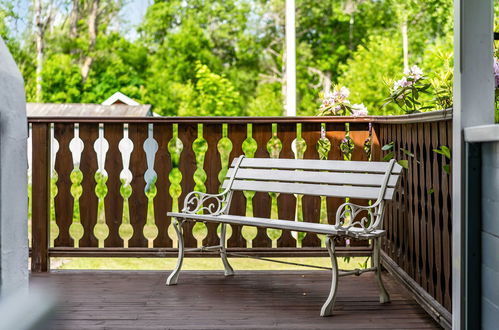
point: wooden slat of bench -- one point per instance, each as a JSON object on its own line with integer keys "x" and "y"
{"x": 309, "y": 189}
{"x": 307, "y": 227}
{"x": 360, "y": 179}
{"x": 318, "y": 165}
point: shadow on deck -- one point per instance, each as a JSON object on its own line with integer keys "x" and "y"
{"x": 208, "y": 300}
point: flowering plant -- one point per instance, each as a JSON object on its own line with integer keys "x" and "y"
{"x": 496, "y": 71}
{"x": 406, "y": 91}
{"x": 336, "y": 103}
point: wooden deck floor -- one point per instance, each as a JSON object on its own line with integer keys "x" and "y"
{"x": 208, "y": 300}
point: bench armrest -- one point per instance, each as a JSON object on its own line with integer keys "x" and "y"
{"x": 214, "y": 204}
{"x": 351, "y": 211}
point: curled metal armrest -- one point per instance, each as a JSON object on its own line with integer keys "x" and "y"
{"x": 366, "y": 224}
{"x": 213, "y": 204}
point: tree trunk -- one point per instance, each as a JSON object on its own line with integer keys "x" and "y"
{"x": 39, "y": 32}
{"x": 327, "y": 82}
{"x": 405, "y": 44}
{"x": 350, "y": 32}
{"x": 290, "y": 59}
{"x": 93, "y": 25}
{"x": 74, "y": 17}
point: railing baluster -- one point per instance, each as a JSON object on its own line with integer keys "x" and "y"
{"x": 40, "y": 135}
{"x": 162, "y": 201}
{"x": 89, "y": 202}
{"x": 113, "y": 202}
{"x": 409, "y": 230}
{"x": 384, "y": 139}
{"x": 335, "y": 132}
{"x": 237, "y": 134}
{"x": 416, "y": 202}
{"x": 311, "y": 205}
{"x": 436, "y": 208}
{"x": 138, "y": 200}
{"x": 212, "y": 166}
{"x": 425, "y": 191}
{"x": 262, "y": 133}
{"x": 359, "y": 133}
{"x": 286, "y": 203}
{"x": 187, "y": 134}
{"x": 429, "y": 132}
{"x": 64, "y": 201}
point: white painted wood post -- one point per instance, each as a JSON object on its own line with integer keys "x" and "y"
{"x": 13, "y": 177}
{"x": 290, "y": 105}
{"x": 473, "y": 105}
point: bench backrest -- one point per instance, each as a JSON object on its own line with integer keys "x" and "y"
{"x": 330, "y": 178}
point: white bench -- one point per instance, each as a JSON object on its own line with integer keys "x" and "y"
{"x": 375, "y": 181}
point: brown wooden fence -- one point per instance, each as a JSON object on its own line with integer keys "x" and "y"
{"x": 99, "y": 199}
{"x": 419, "y": 222}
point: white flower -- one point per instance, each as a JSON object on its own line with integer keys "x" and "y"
{"x": 359, "y": 110}
{"x": 344, "y": 92}
{"x": 401, "y": 83}
{"x": 414, "y": 72}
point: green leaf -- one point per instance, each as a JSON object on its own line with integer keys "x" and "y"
{"x": 388, "y": 156}
{"x": 404, "y": 163}
{"x": 446, "y": 168}
{"x": 430, "y": 191}
{"x": 445, "y": 151}
{"x": 387, "y": 147}
{"x": 407, "y": 152}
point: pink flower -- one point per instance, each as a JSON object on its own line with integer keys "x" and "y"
{"x": 402, "y": 83}
{"x": 496, "y": 71}
{"x": 359, "y": 110}
{"x": 414, "y": 72}
{"x": 344, "y": 92}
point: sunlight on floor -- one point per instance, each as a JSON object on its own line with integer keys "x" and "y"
{"x": 197, "y": 263}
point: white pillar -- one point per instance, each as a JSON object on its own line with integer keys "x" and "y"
{"x": 473, "y": 105}
{"x": 290, "y": 59}
{"x": 13, "y": 177}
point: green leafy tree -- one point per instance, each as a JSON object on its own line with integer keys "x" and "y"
{"x": 240, "y": 43}
{"x": 369, "y": 72}
{"x": 212, "y": 95}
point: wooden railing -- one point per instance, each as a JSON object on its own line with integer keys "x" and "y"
{"x": 114, "y": 203}
{"x": 419, "y": 223}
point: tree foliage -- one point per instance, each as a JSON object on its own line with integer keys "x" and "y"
{"x": 226, "y": 57}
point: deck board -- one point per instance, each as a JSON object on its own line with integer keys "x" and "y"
{"x": 208, "y": 300}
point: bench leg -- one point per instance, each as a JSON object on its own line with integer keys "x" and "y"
{"x": 327, "y": 308}
{"x": 228, "y": 270}
{"x": 376, "y": 262}
{"x": 172, "y": 279}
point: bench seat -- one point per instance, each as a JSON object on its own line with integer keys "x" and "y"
{"x": 306, "y": 227}
{"x": 360, "y": 187}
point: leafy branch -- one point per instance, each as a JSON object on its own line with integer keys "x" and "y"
{"x": 446, "y": 152}
{"x": 390, "y": 147}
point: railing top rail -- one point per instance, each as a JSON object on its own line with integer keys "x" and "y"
{"x": 439, "y": 115}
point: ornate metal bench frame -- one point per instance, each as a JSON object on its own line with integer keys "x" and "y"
{"x": 216, "y": 208}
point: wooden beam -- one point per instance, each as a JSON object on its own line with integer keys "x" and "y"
{"x": 40, "y": 198}
{"x": 473, "y": 100}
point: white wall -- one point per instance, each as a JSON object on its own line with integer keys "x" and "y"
{"x": 13, "y": 178}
